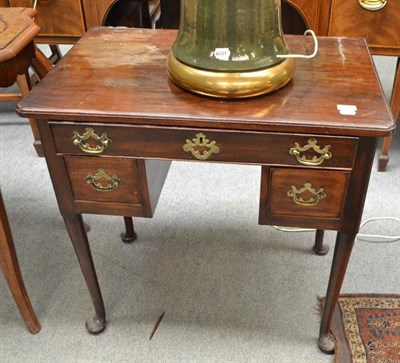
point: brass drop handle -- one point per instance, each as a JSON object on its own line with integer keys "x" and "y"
{"x": 317, "y": 195}
{"x": 373, "y": 4}
{"x": 95, "y": 181}
{"x": 200, "y": 147}
{"x": 324, "y": 154}
{"x": 79, "y": 140}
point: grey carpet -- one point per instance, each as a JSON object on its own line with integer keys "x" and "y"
{"x": 232, "y": 291}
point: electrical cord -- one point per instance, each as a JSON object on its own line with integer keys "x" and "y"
{"x": 361, "y": 236}
{"x": 388, "y": 238}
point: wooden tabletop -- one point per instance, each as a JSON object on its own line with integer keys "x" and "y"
{"x": 120, "y": 75}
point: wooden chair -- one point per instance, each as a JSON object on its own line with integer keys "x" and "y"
{"x": 12, "y": 273}
{"x": 17, "y": 54}
{"x": 17, "y": 51}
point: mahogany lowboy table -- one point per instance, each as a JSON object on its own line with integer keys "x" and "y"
{"x": 111, "y": 121}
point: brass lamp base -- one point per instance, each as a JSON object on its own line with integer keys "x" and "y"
{"x": 230, "y": 84}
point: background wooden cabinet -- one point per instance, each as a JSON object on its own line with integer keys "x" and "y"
{"x": 61, "y": 18}
{"x": 347, "y": 18}
{"x": 381, "y": 28}
{"x": 65, "y": 21}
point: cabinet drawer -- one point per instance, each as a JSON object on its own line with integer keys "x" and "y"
{"x": 209, "y": 145}
{"x": 104, "y": 179}
{"x": 305, "y": 193}
{"x": 379, "y": 27}
{"x": 115, "y": 186}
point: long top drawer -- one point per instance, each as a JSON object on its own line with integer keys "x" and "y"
{"x": 204, "y": 144}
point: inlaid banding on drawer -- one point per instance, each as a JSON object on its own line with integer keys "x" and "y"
{"x": 233, "y": 146}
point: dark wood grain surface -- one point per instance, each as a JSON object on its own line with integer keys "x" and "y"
{"x": 115, "y": 83}
{"x": 380, "y": 28}
{"x": 120, "y": 75}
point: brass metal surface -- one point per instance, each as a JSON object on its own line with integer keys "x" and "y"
{"x": 373, "y": 4}
{"x": 95, "y": 181}
{"x": 78, "y": 140}
{"x": 200, "y": 147}
{"x": 230, "y": 84}
{"x": 230, "y": 36}
{"x": 230, "y": 49}
{"x": 297, "y": 151}
{"x": 295, "y": 194}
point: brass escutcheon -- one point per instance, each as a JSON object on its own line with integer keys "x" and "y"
{"x": 295, "y": 193}
{"x": 200, "y": 147}
{"x": 372, "y": 4}
{"x": 90, "y": 134}
{"x": 95, "y": 181}
{"x": 324, "y": 153}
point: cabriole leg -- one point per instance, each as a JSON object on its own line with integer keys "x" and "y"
{"x": 130, "y": 234}
{"x": 343, "y": 247}
{"x": 76, "y": 230}
{"x": 319, "y": 247}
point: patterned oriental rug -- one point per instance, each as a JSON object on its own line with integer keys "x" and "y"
{"x": 367, "y": 328}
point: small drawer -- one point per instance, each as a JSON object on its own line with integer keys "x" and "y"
{"x": 205, "y": 145}
{"x": 104, "y": 179}
{"x": 305, "y": 193}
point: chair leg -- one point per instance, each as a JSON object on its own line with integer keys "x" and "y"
{"x": 12, "y": 273}
{"x": 56, "y": 53}
{"x": 24, "y": 84}
{"x": 130, "y": 234}
{"x": 41, "y": 64}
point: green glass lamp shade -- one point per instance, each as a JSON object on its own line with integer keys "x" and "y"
{"x": 230, "y": 48}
